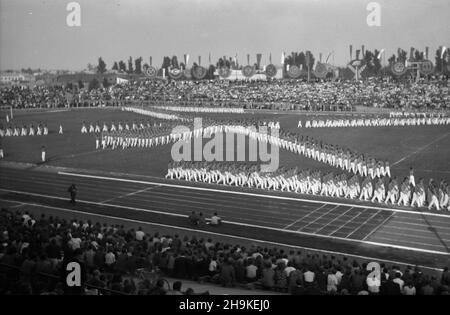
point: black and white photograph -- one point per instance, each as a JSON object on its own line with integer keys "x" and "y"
{"x": 230, "y": 152}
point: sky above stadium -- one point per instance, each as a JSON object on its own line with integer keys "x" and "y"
{"x": 34, "y": 33}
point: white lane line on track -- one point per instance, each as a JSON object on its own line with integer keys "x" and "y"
{"x": 196, "y": 205}
{"x": 229, "y": 235}
{"x": 244, "y": 224}
{"x": 225, "y": 203}
{"x": 368, "y": 219}
{"x": 426, "y": 230}
{"x": 303, "y": 217}
{"x": 130, "y": 194}
{"x": 379, "y": 226}
{"x": 253, "y": 194}
{"x": 412, "y": 236}
{"x": 317, "y": 219}
{"x": 443, "y": 230}
{"x": 409, "y": 242}
{"x": 334, "y": 220}
{"x": 342, "y": 226}
{"x": 420, "y": 149}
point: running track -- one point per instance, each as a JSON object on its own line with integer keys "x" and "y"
{"x": 287, "y": 217}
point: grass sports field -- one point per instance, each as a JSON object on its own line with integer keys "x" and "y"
{"x": 425, "y": 148}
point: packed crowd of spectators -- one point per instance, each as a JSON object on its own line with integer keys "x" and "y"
{"x": 113, "y": 256}
{"x": 272, "y": 94}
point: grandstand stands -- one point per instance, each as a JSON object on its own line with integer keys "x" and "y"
{"x": 127, "y": 261}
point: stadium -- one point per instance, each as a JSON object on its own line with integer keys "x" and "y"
{"x": 291, "y": 176}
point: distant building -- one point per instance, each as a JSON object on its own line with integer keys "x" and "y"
{"x": 65, "y": 79}
{"x": 16, "y": 78}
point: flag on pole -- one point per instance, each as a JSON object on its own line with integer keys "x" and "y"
{"x": 270, "y": 58}
{"x": 351, "y": 52}
{"x": 209, "y": 58}
{"x": 282, "y": 58}
{"x": 443, "y": 51}
{"x": 258, "y": 60}
{"x": 199, "y": 60}
{"x": 328, "y": 57}
{"x": 248, "y": 59}
{"x": 426, "y": 52}
{"x": 150, "y": 60}
{"x": 363, "y": 51}
{"x": 379, "y": 55}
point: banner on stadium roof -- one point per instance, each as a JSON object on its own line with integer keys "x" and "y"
{"x": 258, "y": 60}
{"x": 187, "y": 73}
{"x": 294, "y": 72}
{"x": 271, "y": 71}
{"x": 398, "y": 68}
{"x": 224, "y": 72}
{"x": 150, "y": 72}
{"x": 248, "y": 71}
{"x": 321, "y": 70}
{"x": 175, "y": 73}
{"x": 199, "y": 72}
{"x": 426, "y": 67}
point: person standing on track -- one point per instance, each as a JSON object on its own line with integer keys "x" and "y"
{"x": 73, "y": 193}
{"x": 411, "y": 177}
{"x": 43, "y": 152}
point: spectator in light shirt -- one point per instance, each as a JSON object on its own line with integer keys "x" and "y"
{"x": 373, "y": 284}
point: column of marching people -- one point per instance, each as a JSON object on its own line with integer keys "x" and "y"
{"x": 40, "y": 129}
{"x": 376, "y": 122}
{"x": 383, "y": 190}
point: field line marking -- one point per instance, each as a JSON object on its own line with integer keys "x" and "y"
{"x": 304, "y": 216}
{"x": 379, "y": 226}
{"x": 253, "y": 194}
{"x": 335, "y": 219}
{"x": 368, "y": 219}
{"x": 421, "y": 149}
{"x": 342, "y": 226}
{"x": 317, "y": 219}
{"x": 239, "y": 223}
{"x": 130, "y": 194}
{"x": 229, "y": 235}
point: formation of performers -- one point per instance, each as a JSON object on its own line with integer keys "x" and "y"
{"x": 150, "y": 113}
{"x": 376, "y": 122}
{"x": 382, "y": 190}
{"x": 40, "y": 129}
{"x": 415, "y": 114}
{"x": 197, "y": 109}
{"x": 147, "y": 134}
{"x": 134, "y": 125}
